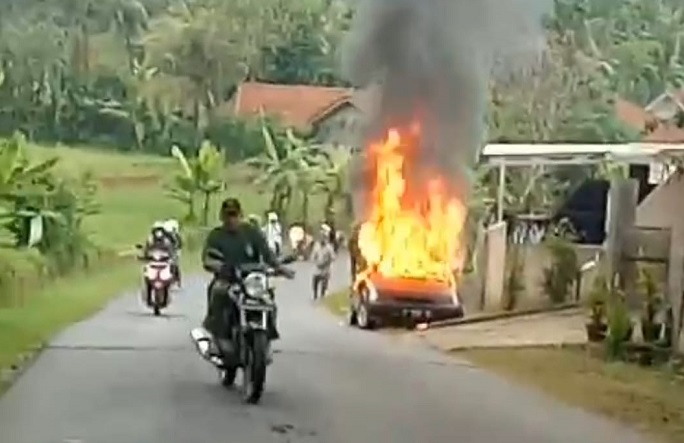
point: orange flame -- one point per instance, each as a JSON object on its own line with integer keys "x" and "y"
{"x": 414, "y": 234}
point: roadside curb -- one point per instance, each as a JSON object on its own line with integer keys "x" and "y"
{"x": 501, "y": 315}
{"x": 514, "y": 346}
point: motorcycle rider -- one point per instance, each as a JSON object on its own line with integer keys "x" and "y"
{"x": 239, "y": 243}
{"x": 274, "y": 232}
{"x": 158, "y": 239}
{"x": 172, "y": 228}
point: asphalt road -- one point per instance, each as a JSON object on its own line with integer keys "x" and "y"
{"x": 127, "y": 377}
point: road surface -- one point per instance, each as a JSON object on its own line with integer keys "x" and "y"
{"x": 127, "y": 377}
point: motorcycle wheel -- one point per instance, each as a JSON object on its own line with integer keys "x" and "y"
{"x": 254, "y": 372}
{"x": 157, "y": 302}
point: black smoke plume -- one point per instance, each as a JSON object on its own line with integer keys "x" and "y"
{"x": 433, "y": 60}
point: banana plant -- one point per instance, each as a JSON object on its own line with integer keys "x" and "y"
{"x": 290, "y": 166}
{"x": 200, "y": 176}
{"x": 24, "y": 189}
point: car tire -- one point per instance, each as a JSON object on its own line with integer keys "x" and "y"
{"x": 363, "y": 318}
{"x": 351, "y": 315}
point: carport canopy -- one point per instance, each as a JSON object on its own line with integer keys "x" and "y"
{"x": 539, "y": 154}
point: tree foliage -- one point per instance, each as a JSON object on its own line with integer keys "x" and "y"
{"x": 148, "y": 74}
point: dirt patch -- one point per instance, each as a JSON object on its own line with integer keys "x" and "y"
{"x": 650, "y": 400}
{"x": 129, "y": 181}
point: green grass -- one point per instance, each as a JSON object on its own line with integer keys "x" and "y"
{"x": 24, "y": 329}
{"x": 337, "y": 302}
{"x": 128, "y": 211}
{"x": 651, "y": 400}
{"x": 102, "y": 163}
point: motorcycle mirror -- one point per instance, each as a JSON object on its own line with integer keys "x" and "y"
{"x": 287, "y": 259}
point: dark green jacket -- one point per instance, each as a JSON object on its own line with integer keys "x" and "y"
{"x": 245, "y": 244}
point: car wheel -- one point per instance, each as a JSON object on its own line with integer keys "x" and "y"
{"x": 351, "y": 315}
{"x": 363, "y": 319}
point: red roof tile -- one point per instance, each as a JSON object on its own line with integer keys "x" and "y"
{"x": 633, "y": 114}
{"x": 299, "y": 106}
{"x": 666, "y": 134}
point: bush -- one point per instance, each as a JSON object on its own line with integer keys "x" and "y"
{"x": 619, "y": 324}
{"x": 20, "y": 272}
{"x": 560, "y": 276}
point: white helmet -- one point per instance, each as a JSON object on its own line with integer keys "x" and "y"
{"x": 272, "y": 217}
{"x": 158, "y": 224}
{"x": 326, "y": 229}
{"x": 171, "y": 225}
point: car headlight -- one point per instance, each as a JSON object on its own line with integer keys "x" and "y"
{"x": 372, "y": 292}
{"x": 454, "y": 298}
{"x": 255, "y": 284}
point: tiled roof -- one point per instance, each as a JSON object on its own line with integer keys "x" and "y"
{"x": 299, "y": 106}
{"x": 666, "y": 134}
{"x": 632, "y": 114}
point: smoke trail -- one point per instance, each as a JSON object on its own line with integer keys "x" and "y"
{"x": 437, "y": 57}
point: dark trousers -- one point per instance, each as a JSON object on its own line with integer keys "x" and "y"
{"x": 220, "y": 309}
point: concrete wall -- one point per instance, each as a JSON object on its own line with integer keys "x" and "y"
{"x": 484, "y": 290}
{"x": 663, "y": 208}
{"x": 537, "y": 258}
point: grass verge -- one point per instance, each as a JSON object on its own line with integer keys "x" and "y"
{"x": 337, "y": 302}
{"x": 24, "y": 329}
{"x": 649, "y": 400}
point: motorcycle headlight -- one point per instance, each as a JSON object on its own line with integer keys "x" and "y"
{"x": 255, "y": 284}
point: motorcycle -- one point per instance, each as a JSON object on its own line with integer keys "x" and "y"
{"x": 248, "y": 346}
{"x": 158, "y": 276}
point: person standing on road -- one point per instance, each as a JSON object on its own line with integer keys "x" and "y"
{"x": 323, "y": 256}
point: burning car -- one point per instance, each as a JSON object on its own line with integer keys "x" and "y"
{"x": 377, "y": 300}
{"x": 410, "y": 241}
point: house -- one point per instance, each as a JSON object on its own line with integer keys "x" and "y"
{"x": 332, "y": 115}
{"x": 658, "y": 121}
{"x": 668, "y": 107}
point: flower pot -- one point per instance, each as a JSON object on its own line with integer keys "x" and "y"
{"x": 651, "y": 331}
{"x": 596, "y": 332}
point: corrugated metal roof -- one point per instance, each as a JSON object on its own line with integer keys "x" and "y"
{"x": 557, "y": 153}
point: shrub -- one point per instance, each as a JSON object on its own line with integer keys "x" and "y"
{"x": 560, "y": 276}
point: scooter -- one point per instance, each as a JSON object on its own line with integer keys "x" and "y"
{"x": 158, "y": 277}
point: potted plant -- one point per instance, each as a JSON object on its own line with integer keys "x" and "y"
{"x": 651, "y": 329}
{"x": 597, "y": 326}
{"x": 620, "y": 327}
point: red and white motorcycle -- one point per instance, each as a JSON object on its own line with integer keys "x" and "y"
{"x": 158, "y": 277}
